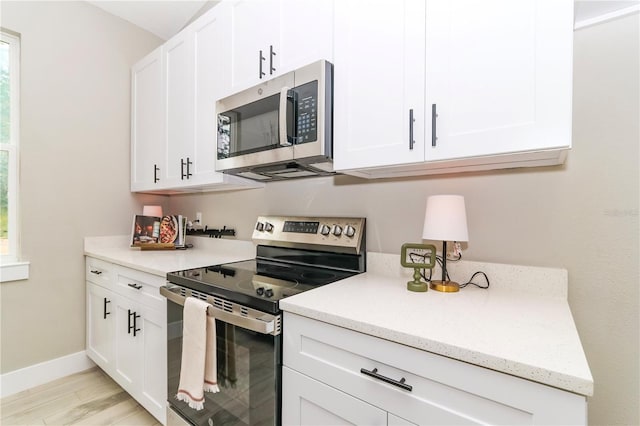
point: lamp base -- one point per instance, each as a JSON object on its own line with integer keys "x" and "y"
{"x": 445, "y": 286}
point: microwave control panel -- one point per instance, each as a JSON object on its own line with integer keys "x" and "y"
{"x": 307, "y": 114}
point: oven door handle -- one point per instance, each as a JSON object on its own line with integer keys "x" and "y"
{"x": 267, "y": 325}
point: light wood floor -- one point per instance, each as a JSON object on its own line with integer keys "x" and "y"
{"x": 87, "y": 398}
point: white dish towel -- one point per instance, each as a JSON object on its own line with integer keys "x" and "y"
{"x": 198, "y": 367}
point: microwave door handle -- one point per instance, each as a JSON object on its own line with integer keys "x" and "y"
{"x": 282, "y": 117}
{"x": 292, "y": 98}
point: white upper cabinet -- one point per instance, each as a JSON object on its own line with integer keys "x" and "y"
{"x": 147, "y": 122}
{"x": 306, "y": 33}
{"x": 378, "y": 83}
{"x": 254, "y": 41}
{"x": 420, "y": 87}
{"x": 176, "y": 105}
{"x": 496, "y": 85}
{"x": 272, "y": 37}
{"x": 500, "y": 75}
{"x": 179, "y": 71}
{"x": 210, "y": 33}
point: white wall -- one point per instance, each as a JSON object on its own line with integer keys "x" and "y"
{"x": 75, "y": 97}
{"x": 582, "y": 216}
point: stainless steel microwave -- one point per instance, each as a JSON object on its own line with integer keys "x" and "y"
{"x": 280, "y": 129}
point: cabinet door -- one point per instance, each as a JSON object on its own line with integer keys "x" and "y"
{"x": 378, "y": 83}
{"x": 298, "y": 48}
{"x": 147, "y": 122}
{"x": 141, "y": 353}
{"x": 500, "y": 75}
{"x": 100, "y": 325}
{"x": 128, "y": 358}
{"x": 254, "y": 28}
{"x": 179, "y": 71}
{"x": 153, "y": 360}
{"x": 212, "y": 80}
{"x": 308, "y": 402}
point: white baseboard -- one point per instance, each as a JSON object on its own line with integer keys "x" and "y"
{"x": 38, "y": 374}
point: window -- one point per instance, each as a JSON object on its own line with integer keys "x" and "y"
{"x": 12, "y": 269}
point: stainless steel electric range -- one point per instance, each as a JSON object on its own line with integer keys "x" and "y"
{"x": 293, "y": 254}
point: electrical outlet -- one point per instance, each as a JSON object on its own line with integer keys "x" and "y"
{"x": 199, "y": 218}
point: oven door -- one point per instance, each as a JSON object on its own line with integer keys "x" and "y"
{"x": 249, "y": 363}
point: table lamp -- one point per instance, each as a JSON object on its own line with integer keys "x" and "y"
{"x": 152, "y": 211}
{"x": 445, "y": 219}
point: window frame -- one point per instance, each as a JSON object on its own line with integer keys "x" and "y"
{"x": 11, "y": 268}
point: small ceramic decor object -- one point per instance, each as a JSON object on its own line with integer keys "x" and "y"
{"x": 417, "y": 256}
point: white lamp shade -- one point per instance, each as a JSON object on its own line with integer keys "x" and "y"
{"x": 152, "y": 211}
{"x": 445, "y": 219}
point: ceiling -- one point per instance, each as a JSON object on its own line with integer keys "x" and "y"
{"x": 165, "y": 18}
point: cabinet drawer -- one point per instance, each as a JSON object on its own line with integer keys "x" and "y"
{"x": 314, "y": 403}
{"x": 420, "y": 386}
{"x": 139, "y": 286}
{"x": 98, "y": 271}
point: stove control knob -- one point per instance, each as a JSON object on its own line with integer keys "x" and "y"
{"x": 268, "y": 227}
{"x": 268, "y": 292}
{"x": 325, "y": 229}
{"x": 337, "y": 230}
{"x": 260, "y": 291}
{"x": 349, "y": 231}
{"x": 260, "y": 226}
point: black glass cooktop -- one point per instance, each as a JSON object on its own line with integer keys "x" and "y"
{"x": 258, "y": 284}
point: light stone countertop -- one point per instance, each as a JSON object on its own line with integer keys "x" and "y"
{"x": 206, "y": 251}
{"x": 520, "y": 326}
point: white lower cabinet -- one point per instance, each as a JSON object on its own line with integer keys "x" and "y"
{"x": 325, "y": 380}
{"x": 126, "y": 331}
{"x": 100, "y": 325}
{"x": 310, "y": 402}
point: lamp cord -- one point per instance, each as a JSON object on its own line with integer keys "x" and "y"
{"x": 440, "y": 261}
